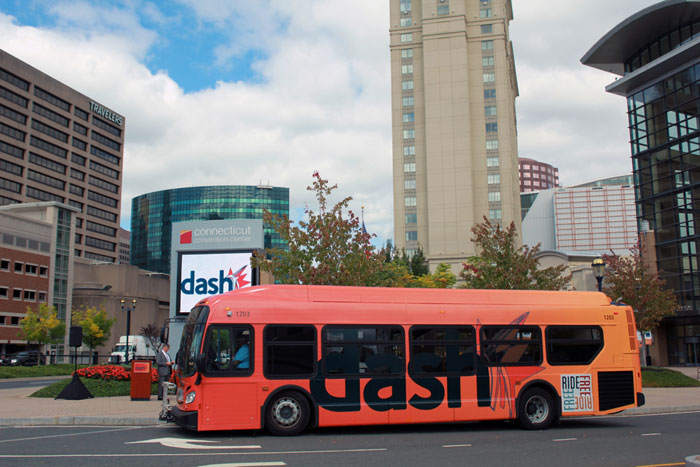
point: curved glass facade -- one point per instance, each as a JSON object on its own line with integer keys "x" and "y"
{"x": 153, "y": 214}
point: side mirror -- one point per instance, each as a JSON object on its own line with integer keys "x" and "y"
{"x": 201, "y": 362}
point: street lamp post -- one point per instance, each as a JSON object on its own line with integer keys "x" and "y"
{"x": 598, "y": 266}
{"x": 128, "y": 310}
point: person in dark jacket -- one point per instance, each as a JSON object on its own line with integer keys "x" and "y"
{"x": 165, "y": 369}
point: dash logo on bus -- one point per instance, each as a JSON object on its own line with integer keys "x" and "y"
{"x": 193, "y": 285}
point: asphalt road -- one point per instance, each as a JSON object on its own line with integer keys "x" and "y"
{"x": 603, "y": 441}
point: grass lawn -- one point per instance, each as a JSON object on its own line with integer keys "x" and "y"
{"x": 97, "y": 387}
{"x": 34, "y": 371}
{"x": 654, "y": 377}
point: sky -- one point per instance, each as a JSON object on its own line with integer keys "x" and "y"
{"x": 233, "y": 92}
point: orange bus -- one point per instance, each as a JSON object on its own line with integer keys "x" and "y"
{"x": 284, "y": 357}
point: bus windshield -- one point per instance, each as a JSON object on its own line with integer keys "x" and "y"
{"x": 191, "y": 341}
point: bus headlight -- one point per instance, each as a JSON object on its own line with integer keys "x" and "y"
{"x": 190, "y": 397}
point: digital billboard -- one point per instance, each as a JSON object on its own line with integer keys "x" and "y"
{"x": 201, "y": 274}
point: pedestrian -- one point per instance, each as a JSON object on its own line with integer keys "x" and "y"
{"x": 165, "y": 364}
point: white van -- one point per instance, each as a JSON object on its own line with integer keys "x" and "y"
{"x": 140, "y": 348}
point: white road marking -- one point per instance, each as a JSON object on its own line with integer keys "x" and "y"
{"x": 651, "y": 434}
{"x": 245, "y": 464}
{"x": 457, "y": 446}
{"x": 190, "y": 444}
{"x": 564, "y": 439}
{"x": 188, "y": 454}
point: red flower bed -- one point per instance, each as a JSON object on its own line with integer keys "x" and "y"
{"x": 112, "y": 373}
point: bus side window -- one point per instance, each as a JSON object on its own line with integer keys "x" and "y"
{"x": 511, "y": 345}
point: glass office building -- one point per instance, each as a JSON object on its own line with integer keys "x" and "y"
{"x": 153, "y": 214}
{"x": 656, "y": 53}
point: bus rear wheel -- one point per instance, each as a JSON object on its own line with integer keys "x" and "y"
{"x": 288, "y": 414}
{"x": 537, "y": 410}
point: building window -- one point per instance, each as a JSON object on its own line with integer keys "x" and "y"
{"x": 409, "y": 134}
{"x": 19, "y": 267}
{"x": 411, "y": 236}
{"x": 16, "y": 294}
{"x": 4, "y": 265}
{"x": 487, "y": 45}
{"x": 409, "y": 167}
{"x": 443, "y": 8}
{"x": 412, "y": 218}
{"x": 409, "y": 151}
{"x": 407, "y": 101}
{"x": 407, "y": 85}
{"x": 491, "y": 144}
{"x": 494, "y": 179}
{"x": 407, "y": 69}
{"x": 492, "y": 162}
{"x": 408, "y": 117}
{"x": 31, "y": 269}
{"x": 409, "y": 184}
{"x": 406, "y": 53}
{"x": 495, "y": 214}
{"x": 405, "y": 6}
{"x": 490, "y": 111}
{"x": 485, "y": 13}
{"x": 4, "y": 292}
{"x": 492, "y": 127}
{"x": 489, "y": 77}
{"x": 487, "y": 61}
{"x": 489, "y": 93}
{"x": 407, "y": 37}
{"x": 406, "y": 21}
{"x": 410, "y": 201}
{"x": 29, "y": 295}
{"x": 494, "y": 196}
{"x": 486, "y": 28}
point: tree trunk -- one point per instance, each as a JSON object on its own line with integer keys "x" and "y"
{"x": 643, "y": 353}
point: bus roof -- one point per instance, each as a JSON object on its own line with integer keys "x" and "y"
{"x": 338, "y": 294}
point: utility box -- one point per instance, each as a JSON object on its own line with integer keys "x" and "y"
{"x": 141, "y": 380}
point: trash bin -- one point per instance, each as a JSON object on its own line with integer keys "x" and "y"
{"x": 140, "y": 380}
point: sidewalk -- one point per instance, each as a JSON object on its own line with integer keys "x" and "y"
{"x": 18, "y": 409}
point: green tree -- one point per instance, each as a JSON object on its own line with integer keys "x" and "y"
{"x": 502, "y": 264}
{"x": 328, "y": 248}
{"x": 43, "y": 325}
{"x": 442, "y": 278}
{"x": 419, "y": 264}
{"x": 630, "y": 280}
{"x": 96, "y": 324}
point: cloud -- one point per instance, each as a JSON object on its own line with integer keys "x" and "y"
{"x": 321, "y": 106}
{"x": 321, "y": 95}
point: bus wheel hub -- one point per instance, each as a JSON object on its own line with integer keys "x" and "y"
{"x": 286, "y": 412}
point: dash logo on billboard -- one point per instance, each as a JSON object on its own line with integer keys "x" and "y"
{"x": 211, "y": 273}
{"x": 193, "y": 285}
{"x": 185, "y": 237}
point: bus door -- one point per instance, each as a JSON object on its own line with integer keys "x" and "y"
{"x": 229, "y": 398}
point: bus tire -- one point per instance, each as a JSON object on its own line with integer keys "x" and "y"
{"x": 288, "y": 414}
{"x": 536, "y": 409}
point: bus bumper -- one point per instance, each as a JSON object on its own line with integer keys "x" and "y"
{"x": 185, "y": 419}
{"x": 640, "y": 399}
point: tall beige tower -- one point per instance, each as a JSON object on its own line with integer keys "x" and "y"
{"x": 455, "y": 155}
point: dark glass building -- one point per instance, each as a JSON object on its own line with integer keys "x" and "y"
{"x": 153, "y": 214}
{"x": 656, "y": 53}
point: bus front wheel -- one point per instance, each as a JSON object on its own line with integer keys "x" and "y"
{"x": 537, "y": 410}
{"x": 288, "y": 414}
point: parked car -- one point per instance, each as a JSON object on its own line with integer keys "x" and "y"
{"x": 5, "y": 360}
{"x": 25, "y": 358}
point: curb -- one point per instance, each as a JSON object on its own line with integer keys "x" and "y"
{"x": 658, "y": 410}
{"x": 76, "y": 421}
